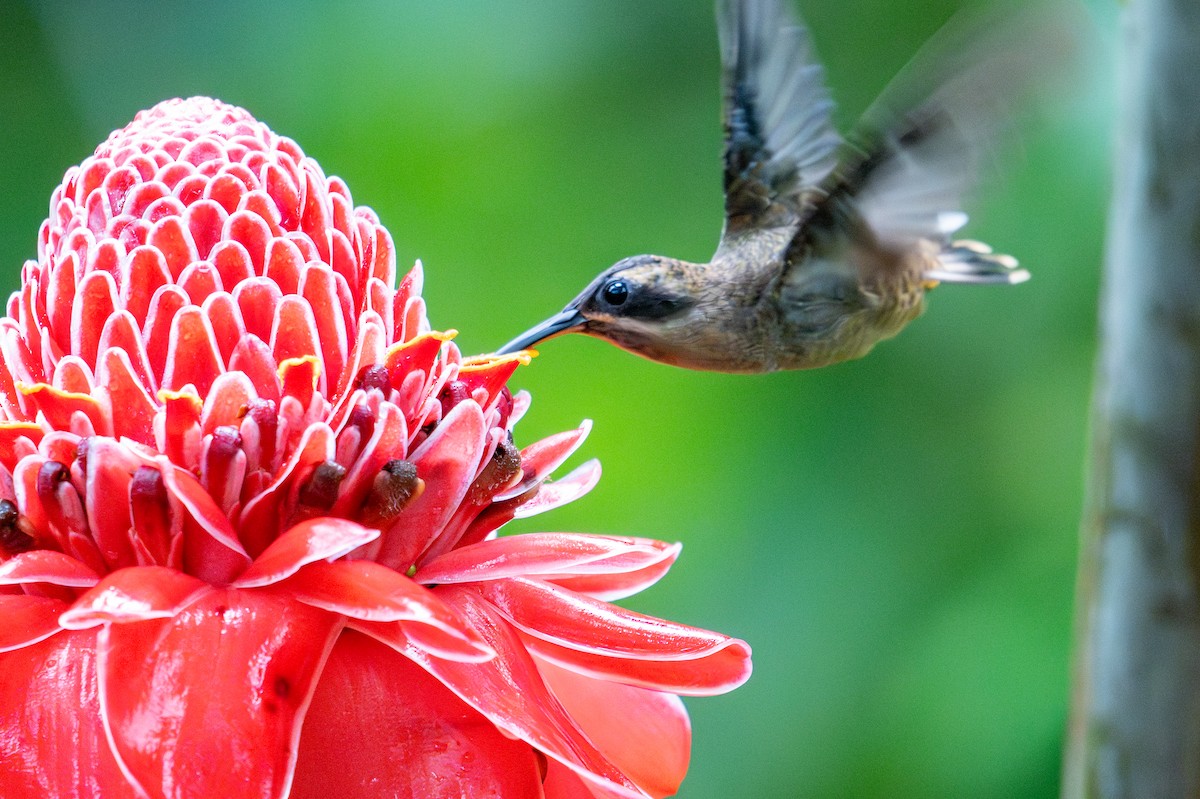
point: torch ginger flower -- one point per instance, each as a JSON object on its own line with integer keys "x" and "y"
{"x": 248, "y": 514}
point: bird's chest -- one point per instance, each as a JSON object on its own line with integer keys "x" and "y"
{"x": 835, "y": 309}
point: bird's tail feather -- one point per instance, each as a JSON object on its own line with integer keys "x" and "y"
{"x": 966, "y": 261}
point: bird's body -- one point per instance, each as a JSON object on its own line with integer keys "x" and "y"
{"x": 827, "y": 248}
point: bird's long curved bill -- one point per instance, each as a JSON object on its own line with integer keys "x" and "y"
{"x": 567, "y": 321}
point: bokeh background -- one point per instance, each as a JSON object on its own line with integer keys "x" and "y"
{"x": 896, "y": 537}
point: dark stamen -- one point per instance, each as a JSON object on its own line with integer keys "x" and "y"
{"x": 394, "y": 487}
{"x": 13, "y": 538}
{"x": 320, "y": 490}
{"x": 499, "y": 472}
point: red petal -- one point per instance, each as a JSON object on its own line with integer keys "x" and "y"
{"x": 307, "y": 542}
{"x": 227, "y": 401}
{"x": 225, "y": 191}
{"x": 173, "y": 239}
{"x": 205, "y": 221}
{"x": 133, "y": 595}
{"x": 362, "y": 589}
{"x": 510, "y": 692}
{"x": 226, "y": 321}
{"x": 388, "y": 441}
{"x": 60, "y": 406}
{"x": 561, "y": 492}
{"x": 294, "y": 334}
{"x": 400, "y": 635}
{"x": 320, "y": 290}
{"x": 253, "y": 357}
{"x": 46, "y": 566}
{"x": 252, "y": 231}
{"x": 541, "y": 458}
{"x": 489, "y": 373}
{"x": 51, "y": 732}
{"x": 122, "y": 332}
{"x": 200, "y": 281}
{"x": 546, "y": 554}
{"x": 226, "y": 682}
{"x": 256, "y": 300}
{"x": 127, "y": 392}
{"x": 260, "y": 520}
{"x": 26, "y": 620}
{"x": 611, "y": 587}
{"x": 645, "y": 733}
{"x": 167, "y": 302}
{"x": 594, "y": 637}
{"x": 192, "y": 352}
{"x": 147, "y": 273}
{"x": 232, "y": 262}
{"x": 284, "y": 264}
{"x": 562, "y": 783}
{"x": 215, "y": 554}
{"x": 446, "y": 461}
{"x": 380, "y": 726}
{"x": 110, "y": 468}
{"x": 95, "y": 302}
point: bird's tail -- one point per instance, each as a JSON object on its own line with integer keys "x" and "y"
{"x": 967, "y": 261}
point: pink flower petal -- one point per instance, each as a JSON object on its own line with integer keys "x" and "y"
{"x": 214, "y": 552}
{"x": 59, "y": 407}
{"x": 388, "y": 441}
{"x": 593, "y": 637}
{"x": 192, "y": 353}
{"x": 260, "y": 522}
{"x": 541, "y": 458}
{"x": 95, "y": 302}
{"x": 561, "y": 492}
{"x": 164, "y": 709}
{"x": 51, "y": 732}
{"x": 645, "y": 733}
{"x": 489, "y": 373}
{"x": 167, "y": 302}
{"x": 46, "y": 566}
{"x": 364, "y": 590}
{"x": 400, "y": 635}
{"x": 562, "y": 783}
{"x": 509, "y": 690}
{"x": 126, "y": 391}
{"x": 110, "y": 469}
{"x": 26, "y": 620}
{"x": 544, "y": 555}
{"x": 306, "y": 542}
{"x": 319, "y": 288}
{"x": 132, "y": 595}
{"x": 618, "y": 585}
{"x": 446, "y": 461}
{"x": 380, "y": 726}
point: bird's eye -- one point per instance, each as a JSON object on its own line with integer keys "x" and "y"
{"x": 615, "y": 292}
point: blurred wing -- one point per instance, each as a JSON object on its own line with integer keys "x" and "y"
{"x": 926, "y": 140}
{"x": 779, "y": 137}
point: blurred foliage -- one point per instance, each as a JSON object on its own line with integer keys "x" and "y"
{"x": 895, "y": 537}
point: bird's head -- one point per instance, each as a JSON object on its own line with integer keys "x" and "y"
{"x": 638, "y": 303}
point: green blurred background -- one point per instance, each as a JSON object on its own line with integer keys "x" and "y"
{"x": 896, "y": 537}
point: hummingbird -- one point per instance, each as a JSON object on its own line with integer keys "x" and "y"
{"x": 829, "y": 245}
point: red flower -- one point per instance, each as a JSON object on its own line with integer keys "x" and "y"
{"x": 248, "y": 514}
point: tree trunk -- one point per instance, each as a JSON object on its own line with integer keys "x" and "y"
{"x": 1135, "y": 716}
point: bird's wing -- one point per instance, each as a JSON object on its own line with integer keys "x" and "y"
{"x": 920, "y": 149}
{"x": 779, "y": 137}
